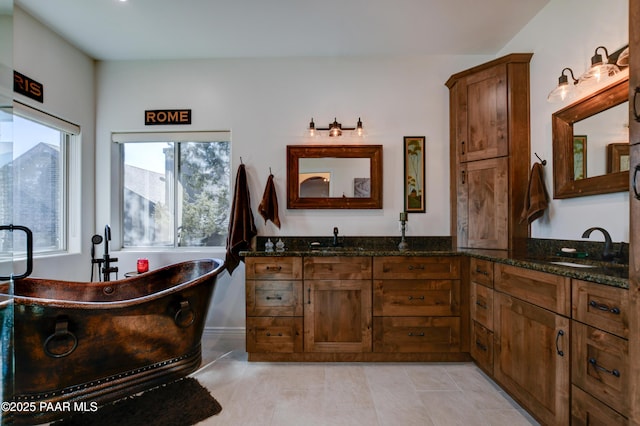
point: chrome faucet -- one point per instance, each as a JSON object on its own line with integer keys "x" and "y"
{"x": 607, "y": 253}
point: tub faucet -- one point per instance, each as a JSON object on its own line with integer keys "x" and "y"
{"x": 107, "y": 260}
{"x": 607, "y": 253}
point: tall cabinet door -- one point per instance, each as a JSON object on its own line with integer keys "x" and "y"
{"x": 634, "y": 202}
{"x": 486, "y": 121}
{"x": 487, "y": 197}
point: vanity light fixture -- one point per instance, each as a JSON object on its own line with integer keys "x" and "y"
{"x": 335, "y": 129}
{"x": 564, "y": 90}
{"x": 600, "y": 69}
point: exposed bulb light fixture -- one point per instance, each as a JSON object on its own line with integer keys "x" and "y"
{"x": 564, "y": 90}
{"x": 600, "y": 70}
{"x": 335, "y": 129}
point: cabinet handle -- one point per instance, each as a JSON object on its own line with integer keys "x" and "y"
{"x": 309, "y": 296}
{"x": 481, "y": 346}
{"x": 276, "y": 297}
{"x": 269, "y": 334}
{"x": 605, "y": 308}
{"x": 635, "y": 187}
{"x": 478, "y": 271}
{"x": 421, "y": 297}
{"x": 421, "y": 334}
{"x": 462, "y": 153}
{"x": 482, "y": 305}
{"x": 419, "y": 267}
{"x": 464, "y": 177}
{"x": 613, "y": 372}
{"x": 274, "y": 268}
{"x": 558, "y": 350}
{"x": 635, "y": 110}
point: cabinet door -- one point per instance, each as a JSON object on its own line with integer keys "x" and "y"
{"x": 531, "y": 357}
{"x": 337, "y": 316}
{"x": 486, "y": 102}
{"x": 487, "y": 193}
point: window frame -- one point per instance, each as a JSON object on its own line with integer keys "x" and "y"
{"x": 70, "y": 198}
{"x": 119, "y": 140}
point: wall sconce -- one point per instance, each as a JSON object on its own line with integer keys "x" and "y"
{"x": 600, "y": 69}
{"x": 564, "y": 90}
{"x": 335, "y": 129}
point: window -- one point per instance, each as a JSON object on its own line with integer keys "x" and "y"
{"x": 34, "y": 176}
{"x": 175, "y": 189}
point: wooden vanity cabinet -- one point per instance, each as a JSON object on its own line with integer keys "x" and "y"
{"x": 489, "y": 152}
{"x": 417, "y": 305}
{"x": 337, "y": 306}
{"x": 600, "y": 352}
{"x": 532, "y": 340}
{"x": 273, "y": 304}
{"x": 481, "y": 307}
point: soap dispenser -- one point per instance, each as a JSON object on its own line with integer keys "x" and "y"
{"x": 268, "y": 246}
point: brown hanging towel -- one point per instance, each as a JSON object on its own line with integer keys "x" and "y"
{"x": 536, "y": 199}
{"x": 268, "y": 207}
{"x": 241, "y": 225}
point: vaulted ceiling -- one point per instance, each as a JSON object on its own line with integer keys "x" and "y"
{"x": 180, "y": 29}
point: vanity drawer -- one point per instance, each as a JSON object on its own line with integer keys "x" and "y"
{"x": 416, "y": 334}
{"x": 481, "y": 272}
{"x": 406, "y": 268}
{"x": 482, "y": 305}
{"x": 416, "y": 297}
{"x": 273, "y": 268}
{"x": 586, "y": 410}
{"x": 482, "y": 347}
{"x": 267, "y": 334}
{"x": 273, "y": 298}
{"x": 600, "y": 365}
{"x": 337, "y": 268}
{"x": 601, "y": 306}
{"x": 549, "y": 291}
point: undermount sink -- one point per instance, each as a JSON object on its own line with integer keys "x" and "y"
{"x": 573, "y": 265}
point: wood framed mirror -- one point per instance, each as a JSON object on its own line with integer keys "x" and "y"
{"x": 334, "y": 176}
{"x": 571, "y": 178}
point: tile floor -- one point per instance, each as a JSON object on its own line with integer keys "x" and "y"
{"x": 350, "y": 394}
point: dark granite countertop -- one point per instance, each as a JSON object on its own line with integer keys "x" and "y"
{"x": 535, "y": 258}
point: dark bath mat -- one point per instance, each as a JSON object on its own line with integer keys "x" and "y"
{"x": 182, "y": 403}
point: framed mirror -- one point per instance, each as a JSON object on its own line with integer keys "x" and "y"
{"x": 590, "y": 144}
{"x": 334, "y": 176}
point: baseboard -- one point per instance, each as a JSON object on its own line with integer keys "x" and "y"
{"x": 239, "y": 332}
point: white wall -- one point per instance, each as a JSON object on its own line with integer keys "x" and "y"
{"x": 565, "y": 34}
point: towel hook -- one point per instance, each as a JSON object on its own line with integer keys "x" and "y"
{"x": 270, "y": 170}
{"x": 241, "y": 160}
{"x": 544, "y": 162}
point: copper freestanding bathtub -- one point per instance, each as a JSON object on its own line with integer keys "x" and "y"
{"x": 98, "y": 342}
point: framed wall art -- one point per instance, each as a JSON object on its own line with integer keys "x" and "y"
{"x": 414, "y": 184}
{"x": 579, "y": 157}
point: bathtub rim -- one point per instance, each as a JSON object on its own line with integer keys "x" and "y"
{"x": 116, "y": 304}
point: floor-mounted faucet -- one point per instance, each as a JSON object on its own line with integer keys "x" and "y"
{"x": 107, "y": 260}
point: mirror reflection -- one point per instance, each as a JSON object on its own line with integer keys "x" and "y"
{"x": 334, "y": 177}
{"x": 601, "y": 143}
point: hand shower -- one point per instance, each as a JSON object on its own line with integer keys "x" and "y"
{"x": 96, "y": 239}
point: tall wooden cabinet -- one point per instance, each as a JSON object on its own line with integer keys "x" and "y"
{"x": 489, "y": 151}
{"x": 634, "y": 226}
